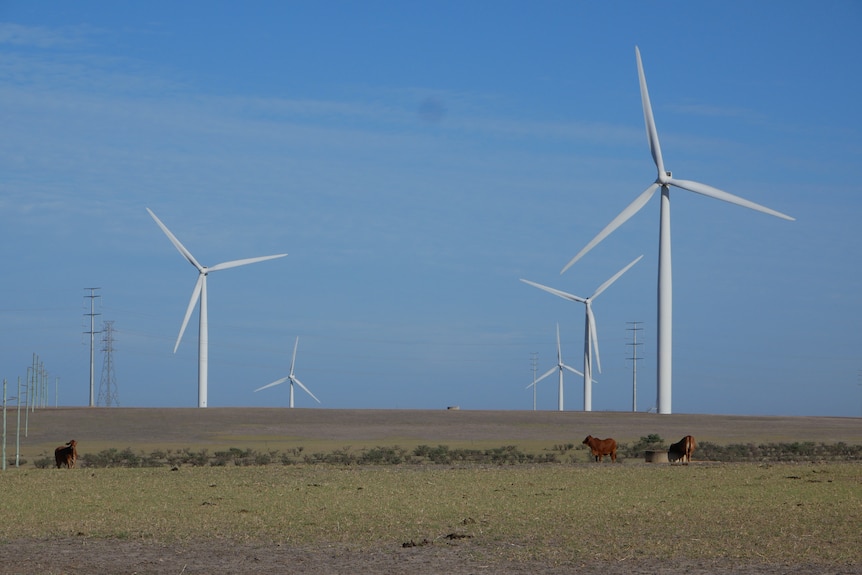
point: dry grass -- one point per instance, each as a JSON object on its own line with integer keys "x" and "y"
{"x": 802, "y": 514}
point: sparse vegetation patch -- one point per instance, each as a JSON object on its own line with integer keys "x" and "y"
{"x": 443, "y": 454}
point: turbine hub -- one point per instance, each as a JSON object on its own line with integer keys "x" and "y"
{"x": 664, "y": 179}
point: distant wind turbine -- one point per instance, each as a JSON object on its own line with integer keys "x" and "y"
{"x": 559, "y": 367}
{"x": 200, "y": 292}
{"x": 664, "y": 340}
{"x": 291, "y": 378}
{"x": 591, "y": 337}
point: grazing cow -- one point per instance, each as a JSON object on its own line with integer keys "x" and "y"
{"x": 66, "y": 454}
{"x": 601, "y": 447}
{"x": 682, "y": 450}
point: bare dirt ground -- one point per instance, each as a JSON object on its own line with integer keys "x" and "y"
{"x": 85, "y": 556}
{"x": 102, "y": 428}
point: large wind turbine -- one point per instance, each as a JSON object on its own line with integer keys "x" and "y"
{"x": 664, "y": 181}
{"x": 560, "y": 367}
{"x": 291, "y": 378}
{"x": 200, "y": 292}
{"x": 591, "y": 337}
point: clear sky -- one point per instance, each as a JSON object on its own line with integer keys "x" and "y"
{"x": 415, "y": 160}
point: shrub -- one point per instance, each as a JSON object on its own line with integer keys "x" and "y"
{"x": 651, "y": 442}
{"x": 44, "y": 463}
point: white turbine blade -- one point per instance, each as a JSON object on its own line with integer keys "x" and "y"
{"x": 196, "y": 293}
{"x": 546, "y": 374}
{"x": 180, "y": 247}
{"x": 652, "y": 133}
{"x": 627, "y": 213}
{"x": 299, "y": 383}
{"x": 235, "y": 263}
{"x": 293, "y": 359}
{"x": 615, "y": 277}
{"x": 573, "y": 370}
{"x": 712, "y": 192}
{"x": 274, "y": 383}
{"x": 594, "y": 335}
{"x": 556, "y": 292}
{"x": 559, "y": 349}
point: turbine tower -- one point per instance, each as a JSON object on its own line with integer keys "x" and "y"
{"x": 291, "y": 378}
{"x": 560, "y": 366}
{"x": 664, "y": 339}
{"x": 591, "y": 337}
{"x": 200, "y": 293}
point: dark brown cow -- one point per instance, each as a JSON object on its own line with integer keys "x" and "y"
{"x": 601, "y": 447}
{"x": 66, "y": 455}
{"x": 682, "y": 450}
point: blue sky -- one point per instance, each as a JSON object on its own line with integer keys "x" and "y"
{"x": 415, "y": 160}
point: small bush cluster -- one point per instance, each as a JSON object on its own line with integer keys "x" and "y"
{"x": 651, "y": 442}
{"x": 506, "y": 455}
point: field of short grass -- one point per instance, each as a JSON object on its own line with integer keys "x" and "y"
{"x": 553, "y": 514}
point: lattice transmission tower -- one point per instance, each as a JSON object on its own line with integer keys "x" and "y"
{"x": 108, "y": 385}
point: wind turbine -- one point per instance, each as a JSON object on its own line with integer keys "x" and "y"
{"x": 200, "y": 293}
{"x": 664, "y": 181}
{"x": 591, "y": 338}
{"x": 291, "y": 378}
{"x": 560, "y": 367}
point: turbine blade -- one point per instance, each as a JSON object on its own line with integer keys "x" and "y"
{"x": 299, "y": 383}
{"x": 276, "y": 382}
{"x": 293, "y": 360}
{"x": 712, "y": 192}
{"x": 236, "y": 263}
{"x": 627, "y": 213}
{"x": 180, "y": 247}
{"x": 573, "y": 370}
{"x": 196, "y": 294}
{"x": 615, "y": 277}
{"x": 544, "y": 375}
{"x": 652, "y": 133}
{"x": 556, "y": 292}
{"x": 594, "y": 335}
{"x": 559, "y": 349}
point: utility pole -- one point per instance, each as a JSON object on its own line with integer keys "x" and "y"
{"x": 534, "y": 360}
{"x": 108, "y": 384}
{"x": 43, "y": 384}
{"x": 18, "y": 431}
{"x": 3, "y": 467}
{"x": 93, "y": 296}
{"x": 860, "y": 382}
{"x": 635, "y": 328}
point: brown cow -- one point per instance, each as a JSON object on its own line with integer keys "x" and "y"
{"x": 66, "y": 455}
{"x": 682, "y": 450}
{"x": 601, "y": 447}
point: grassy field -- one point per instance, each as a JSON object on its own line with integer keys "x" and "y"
{"x": 617, "y": 517}
{"x": 561, "y": 514}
